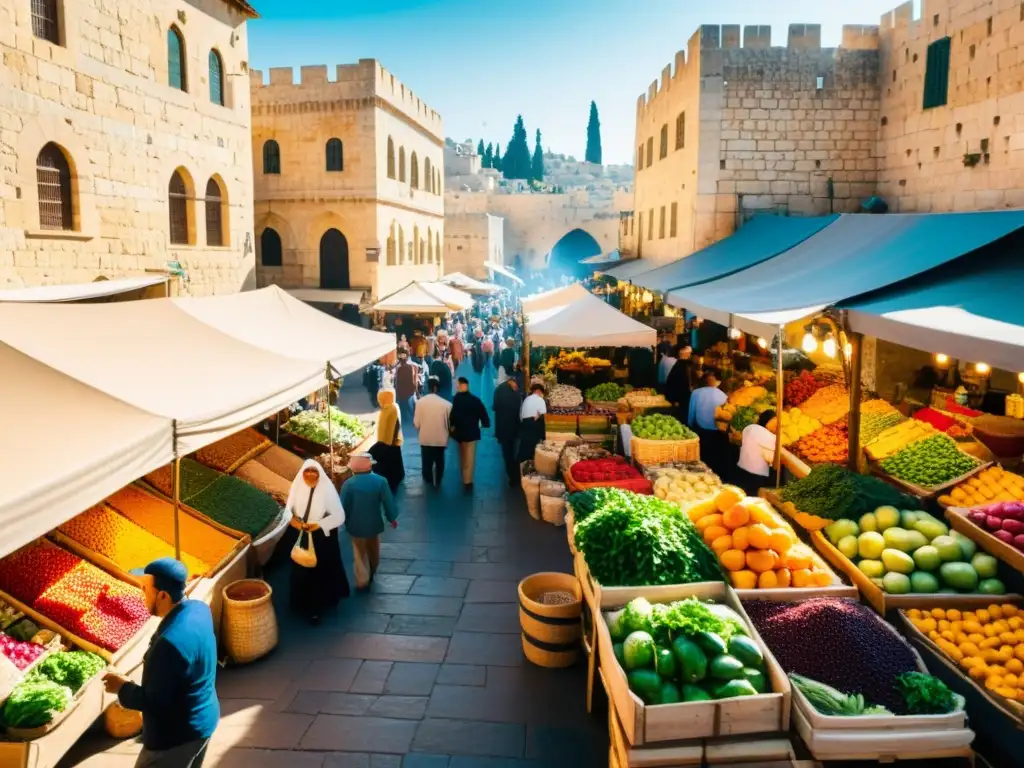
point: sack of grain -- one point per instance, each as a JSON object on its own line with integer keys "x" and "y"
{"x": 545, "y": 458}
{"x": 552, "y": 509}
{"x": 552, "y": 488}
{"x": 531, "y": 488}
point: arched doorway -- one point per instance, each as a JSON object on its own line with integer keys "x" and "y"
{"x": 570, "y": 250}
{"x": 334, "y": 261}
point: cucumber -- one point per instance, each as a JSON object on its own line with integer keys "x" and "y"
{"x": 710, "y": 643}
{"x": 734, "y": 688}
{"x": 746, "y": 650}
{"x": 665, "y": 663}
{"x": 670, "y": 694}
{"x": 646, "y": 684}
{"x": 756, "y": 678}
{"x": 692, "y": 663}
{"x": 619, "y": 656}
{"x": 695, "y": 693}
{"x": 725, "y": 668}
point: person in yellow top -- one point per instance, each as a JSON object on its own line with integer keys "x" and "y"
{"x": 387, "y": 451}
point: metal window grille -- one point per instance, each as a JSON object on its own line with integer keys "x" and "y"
{"x": 664, "y": 143}
{"x": 335, "y": 155}
{"x": 270, "y": 248}
{"x": 214, "y": 215}
{"x": 681, "y": 130}
{"x": 176, "y": 60}
{"x": 216, "y": 78}
{"x": 45, "y": 22}
{"x": 177, "y": 204}
{"x": 271, "y": 157}
{"x": 53, "y": 178}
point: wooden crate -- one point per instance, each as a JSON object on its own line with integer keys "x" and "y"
{"x": 804, "y": 520}
{"x": 764, "y": 713}
{"x": 927, "y": 493}
{"x": 648, "y": 452}
{"x": 882, "y": 601}
{"x": 958, "y": 521}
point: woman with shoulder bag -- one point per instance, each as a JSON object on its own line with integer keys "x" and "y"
{"x": 318, "y": 580}
{"x": 387, "y": 451}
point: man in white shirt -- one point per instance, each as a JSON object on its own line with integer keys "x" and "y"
{"x": 531, "y": 421}
{"x": 704, "y": 402}
{"x": 664, "y": 368}
{"x": 432, "y": 419}
{"x": 757, "y": 454}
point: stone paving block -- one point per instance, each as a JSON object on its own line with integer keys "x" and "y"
{"x": 371, "y": 677}
{"x": 485, "y": 591}
{"x": 330, "y": 703}
{"x": 466, "y": 737}
{"x": 267, "y": 678}
{"x": 392, "y": 583}
{"x": 416, "y": 605}
{"x": 411, "y": 679}
{"x": 462, "y": 674}
{"x": 357, "y": 645}
{"x": 489, "y": 571}
{"x": 352, "y": 618}
{"x": 328, "y": 675}
{"x": 564, "y": 746}
{"x": 430, "y": 568}
{"x": 243, "y": 757}
{"x": 434, "y": 626}
{"x": 393, "y": 566}
{"x": 360, "y": 734}
{"x": 421, "y": 760}
{"x": 426, "y": 550}
{"x": 489, "y": 617}
{"x": 252, "y": 724}
{"x": 439, "y": 586}
{"x": 400, "y": 707}
{"x": 487, "y": 648}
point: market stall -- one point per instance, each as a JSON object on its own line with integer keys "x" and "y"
{"x": 424, "y": 299}
{"x": 470, "y": 285}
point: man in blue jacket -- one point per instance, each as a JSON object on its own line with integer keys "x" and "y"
{"x": 178, "y": 695}
{"x": 367, "y": 501}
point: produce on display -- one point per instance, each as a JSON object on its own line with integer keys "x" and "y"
{"x": 71, "y": 668}
{"x": 744, "y": 416}
{"x": 747, "y": 395}
{"x": 828, "y": 404}
{"x": 641, "y": 399}
{"x": 127, "y": 545}
{"x": 686, "y": 651}
{"x": 834, "y": 492}
{"x": 237, "y": 505}
{"x": 228, "y": 453}
{"x": 313, "y": 425}
{"x": 757, "y": 549}
{"x": 876, "y": 416}
{"x": 280, "y": 462}
{"x": 657, "y": 426}
{"x": 829, "y": 701}
{"x": 795, "y": 425}
{"x": 937, "y": 419}
{"x": 893, "y": 440}
{"x": 565, "y": 396}
{"x": 800, "y": 388}
{"x": 8, "y": 615}
{"x": 195, "y": 478}
{"x": 681, "y": 486}
{"x": 21, "y": 653}
{"x": 574, "y": 361}
{"x": 828, "y": 445}
{"x": 585, "y": 503}
{"x": 155, "y": 515}
{"x": 992, "y": 484}
{"x": 606, "y": 393}
{"x": 611, "y": 471}
{"x": 75, "y": 594}
{"x": 837, "y": 642}
{"x": 258, "y": 476}
{"x": 988, "y": 643}
{"x": 912, "y": 551}
{"x": 929, "y": 463}
{"x": 34, "y": 703}
{"x": 925, "y": 695}
{"x": 633, "y": 540}
{"x": 1004, "y": 520}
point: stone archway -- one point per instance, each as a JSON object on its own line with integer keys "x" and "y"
{"x": 334, "y": 261}
{"x": 571, "y": 248}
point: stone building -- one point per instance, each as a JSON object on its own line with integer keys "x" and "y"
{"x": 349, "y": 178}
{"x": 470, "y": 241}
{"x": 926, "y": 113}
{"x": 126, "y": 142}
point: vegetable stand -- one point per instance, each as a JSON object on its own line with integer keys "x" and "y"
{"x": 958, "y": 521}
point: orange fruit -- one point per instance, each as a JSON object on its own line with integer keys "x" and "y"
{"x": 768, "y": 580}
{"x": 733, "y": 560}
{"x": 741, "y": 537}
{"x": 738, "y": 515}
{"x": 729, "y": 497}
{"x": 713, "y": 532}
{"x": 743, "y": 579}
{"x": 760, "y": 536}
{"x": 784, "y": 577}
{"x": 760, "y": 560}
{"x": 707, "y": 521}
{"x": 721, "y": 544}
{"x": 780, "y": 540}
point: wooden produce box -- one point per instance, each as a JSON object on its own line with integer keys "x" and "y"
{"x": 958, "y": 521}
{"x": 926, "y": 493}
{"x": 806, "y": 521}
{"x": 648, "y": 452}
{"x": 764, "y": 713}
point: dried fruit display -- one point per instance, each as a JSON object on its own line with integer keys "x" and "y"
{"x": 828, "y": 445}
{"x": 280, "y": 462}
{"x": 828, "y": 404}
{"x": 157, "y": 516}
{"x": 125, "y": 543}
{"x": 75, "y": 594}
{"x": 194, "y": 479}
{"x": 258, "y": 476}
{"x": 989, "y": 485}
{"x": 800, "y": 388}
{"x": 227, "y": 454}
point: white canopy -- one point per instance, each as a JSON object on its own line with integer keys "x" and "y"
{"x": 65, "y": 447}
{"x": 81, "y": 291}
{"x": 469, "y": 284}
{"x": 587, "y": 322}
{"x": 325, "y": 295}
{"x": 554, "y": 298}
{"x": 425, "y": 299}
{"x": 504, "y": 271}
{"x": 275, "y": 321}
{"x": 158, "y": 358}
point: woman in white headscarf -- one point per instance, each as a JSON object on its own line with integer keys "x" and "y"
{"x": 315, "y": 508}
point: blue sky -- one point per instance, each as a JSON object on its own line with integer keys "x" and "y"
{"x": 480, "y": 62}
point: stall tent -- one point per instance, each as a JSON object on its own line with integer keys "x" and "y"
{"x": 425, "y": 299}
{"x": 503, "y": 271}
{"x": 587, "y": 322}
{"x": 468, "y": 284}
{"x": 277, "y": 322}
{"x": 554, "y": 298}
{"x": 67, "y": 446}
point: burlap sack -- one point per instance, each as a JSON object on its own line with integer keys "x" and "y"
{"x": 553, "y": 509}
{"x": 552, "y": 488}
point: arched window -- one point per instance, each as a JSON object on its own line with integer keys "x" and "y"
{"x": 410, "y": 256}
{"x": 214, "y": 214}
{"x": 401, "y": 245}
{"x": 46, "y": 20}
{"x": 663, "y": 148}
{"x": 437, "y": 246}
{"x": 270, "y": 248}
{"x": 391, "y": 158}
{"x": 335, "y": 155}
{"x": 401, "y": 163}
{"x": 216, "y": 78}
{"x": 428, "y": 176}
{"x": 417, "y": 256}
{"x": 271, "y": 157}
{"x": 430, "y": 245}
{"x": 392, "y": 259}
{"x": 176, "y": 74}
{"x": 53, "y": 180}
{"x": 438, "y": 174}
{"x": 177, "y": 204}
{"x": 414, "y": 172}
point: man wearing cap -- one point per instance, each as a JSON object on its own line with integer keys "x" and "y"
{"x": 178, "y": 696}
{"x": 364, "y": 496}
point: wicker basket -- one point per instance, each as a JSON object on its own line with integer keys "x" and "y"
{"x": 648, "y": 452}
{"x": 249, "y": 628}
{"x": 121, "y": 723}
{"x": 552, "y": 509}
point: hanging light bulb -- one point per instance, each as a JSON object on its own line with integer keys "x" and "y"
{"x": 697, "y": 321}
{"x": 809, "y": 344}
{"x": 982, "y": 368}
{"x": 648, "y": 297}
{"x": 848, "y": 350}
{"x": 829, "y": 347}
{"x": 762, "y": 342}
{"x": 735, "y": 333}
{"x": 942, "y": 359}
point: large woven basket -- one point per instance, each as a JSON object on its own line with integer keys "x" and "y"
{"x": 649, "y": 452}
{"x": 249, "y": 624}
{"x": 121, "y": 723}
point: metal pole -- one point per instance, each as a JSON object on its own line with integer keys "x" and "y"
{"x": 779, "y": 406}
{"x": 853, "y": 427}
{"x": 176, "y": 494}
{"x": 330, "y": 426}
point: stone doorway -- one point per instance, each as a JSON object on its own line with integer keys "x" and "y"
{"x": 334, "y": 261}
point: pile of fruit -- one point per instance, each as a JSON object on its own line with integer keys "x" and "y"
{"x": 755, "y": 546}
{"x": 893, "y": 440}
{"x": 613, "y": 471}
{"x": 75, "y": 594}
{"x": 929, "y": 463}
{"x": 658, "y": 426}
{"x": 229, "y": 452}
{"x": 1004, "y": 520}
{"x": 686, "y": 651}
{"x": 21, "y": 653}
{"x": 991, "y": 484}
{"x": 831, "y": 492}
{"x": 605, "y": 393}
{"x": 642, "y": 399}
{"x": 126, "y": 544}
{"x": 829, "y": 444}
{"x": 795, "y": 425}
{"x": 565, "y": 396}
{"x": 575, "y": 361}
{"x": 681, "y": 486}
{"x": 988, "y": 643}
{"x": 828, "y": 404}
{"x": 876, "y": 416}
{"x": 911, "y": 551}
{"x": 747, "y": 395}
{"x": 799, "y": 389}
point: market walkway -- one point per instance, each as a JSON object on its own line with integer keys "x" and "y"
{"x": 424, "y": 672}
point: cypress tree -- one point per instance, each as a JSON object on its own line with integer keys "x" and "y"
{"x": 480, "y": 148}
{"x": 537, "y": 166}
{"x": 593, "y": 136}
{"x": 497, "y": 163}
{"x": 517, "y": 154}
{"x": 489, "y": 156}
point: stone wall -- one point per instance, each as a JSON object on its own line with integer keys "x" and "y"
{"x": 470, "y": 240}
{"x": 922, "y": 152}
{"x": 102, "y": 96}
{"x": 394, "y": 231}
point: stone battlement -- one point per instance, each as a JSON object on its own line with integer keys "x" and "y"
{"x": 965, "y": 13}
{"x": 366, "y": 79}
{"x": 801, "y": 38}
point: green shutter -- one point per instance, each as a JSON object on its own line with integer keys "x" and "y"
{"x": 175, "y": 77}
{"x": 936, "y": 75}
{"x": 216, "y": 79}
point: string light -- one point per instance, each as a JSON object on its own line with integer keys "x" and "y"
{"x": 982, "y": 368}
{"x": 829, "y": 347}
{"x": 848, "y": 350}
{"x": 942, "y": 359}
{"x": 763, "y": 343}
{"x": 735, "y": 333}
{"x": 809, "y": 344}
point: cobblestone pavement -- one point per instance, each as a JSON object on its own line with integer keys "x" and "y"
{"x": 425, "y": 671}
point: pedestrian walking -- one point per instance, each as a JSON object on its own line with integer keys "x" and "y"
{"x": 442, "y": 371}
{"x": 507, "y": 361}
{"x": 531, "y": 421}
{"x": 178, "y": 695}
{"x": 506, "y": 406}
{"x": 468, "y": 415}
{"x": 373, "y": 379}
{"x": 487, "y": 348}
{"x": 387, "y": 451}
{"x": 407, "y": 385}
{"x": 432, "y": 419}
{"x": 679, "y": 382}
{"x": 704, "y": 401}
{"x": 367, "y": 501}
{"x": 455, "y": 348}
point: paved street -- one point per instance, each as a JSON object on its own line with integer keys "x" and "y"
{"x": 426, "y": 671}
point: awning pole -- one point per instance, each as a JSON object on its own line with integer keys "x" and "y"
{"x": 176, "y": 494}
{"x": 330, "y": 430}
{"x": 779, "y": 406}
{"x": 853, "y": 426}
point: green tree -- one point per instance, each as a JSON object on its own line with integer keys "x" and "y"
{"x": 480, "y": 148}
{"x": 593, "y": 136}
{"x": 497, "y": 163}
{"x": 537, "y": 166}
{"x": 517, "y": 164}
{"x": 489, "y": 156}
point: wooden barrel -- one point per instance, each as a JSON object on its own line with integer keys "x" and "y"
{"x": 551, "y": 632}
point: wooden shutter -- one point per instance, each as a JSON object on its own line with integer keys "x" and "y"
{"x": 936, "y": 76}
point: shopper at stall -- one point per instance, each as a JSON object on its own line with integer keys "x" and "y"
{"x": 468, "y": 415}
{"x": 754, "y": 470}
{"x": 433, "y": 420}
{"x": 407, "y": 385}
{"x": 373, "y": 377}
{"x": 531, "y": 421}
{"x": 507, "y": 360}
{"x": 178, "y": 695}
{"x": 441, "y": 370}
{"x": 704, "y": 401}
{"x": 679, "y": 383}
{"x": 668, "y": 361}
{"x": 507, "y": 404}
{"x": 367, "y": 502}
{"x": 387, "y": 451}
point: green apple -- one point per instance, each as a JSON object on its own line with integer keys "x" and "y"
{"x": 927, "y": 558}
{"x": 922, "y": 581}
{"x": 932, "y": 529}
{"x": 986, "y": 565}
{"x": 840, "y": 529}
{"x": 896, "y": 583}
{"x": 874, "y": 569}
{"x": 887, "y": 517}
{"x": 908, "y": 518}
{"x": 948, "y": 549}
{"x": 895, "y": 560}
{"x": 870, "y": 545}
{"x": 868, "y": 522}
{"x": 848, "y": 546}
{"x": 897, "y": 538}
{"x": 966, "y": 545}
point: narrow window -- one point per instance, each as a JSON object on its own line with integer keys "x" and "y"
{"x": 414, "y": 171}
{"x": 640, "y": 157}
{"x": 640, "y": 234}
{"x": 681, "y": 130}
{"x": 650, "y": 224}
{"x": 216, "y": 78}
{"x": 176, "y": 75}
{"x": 391, "y": 158}
{"x": 53, "y": 179}
{"x": 664, "y": 142}
{"x": 428, "y": 176}
{"x": 673, "y": 220}
{"x": 271, "y": 157}
{"x": 650, "y": 152}
{"x": 270, "y": 248}
{"x": 214, "y": 214}
{"x": 177, "y": 204}
{"x": 401, "y": 163}
{"x": 661, "y": 224}
{"x": 335, "y": 155}
{"x": 45, "y": 21}
{"x": 936, "y": 74}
